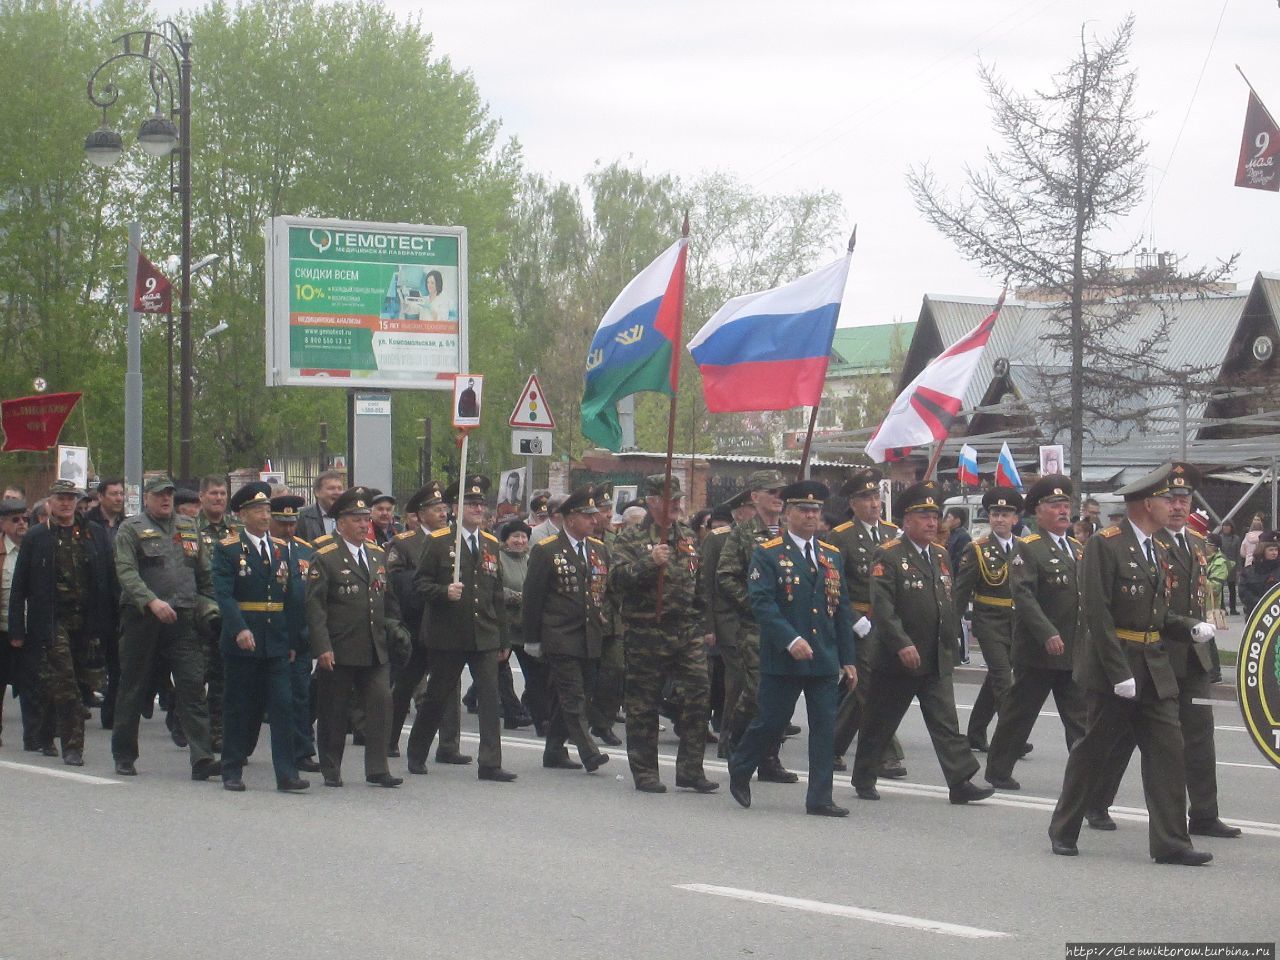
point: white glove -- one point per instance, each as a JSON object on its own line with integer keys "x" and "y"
{"x": 533, "y": 649}
{"x": 862, "y": 627}
{"x": 1203, "y": 632}
{"x": 1127, "y": 689}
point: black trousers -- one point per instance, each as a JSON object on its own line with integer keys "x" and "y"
{"x": 1154, "y": 726}
{"x": 1031, "y": 688}
{"x": 887, "y": 703}
{"x": 442, "y": 695}
{"x": 252, "y": 684}
{"x": 408, "y": 679}
{"x": 536, "y": 698}
{"x": 573, "y": 679}
{"x": 336, "y": 690}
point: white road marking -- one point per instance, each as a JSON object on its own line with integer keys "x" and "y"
{"x": 1251, "y": 766}
{"x": 851, "y": 913}
{"x": 59, "y": 774}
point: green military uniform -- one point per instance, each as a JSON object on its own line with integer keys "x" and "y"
{"x": 468, "y": 632}
{"x": 1045, "y": 578}
{"x": 722, "y": 618}
{"x": 162, "y": 559}
{"x": 661, "y": 646}
{"x": 346, "y": 617}
{"x": 1129, "y": 682}
{"x": 211, "y": 532}
{"x": 983, "y": 581}
{"x": 912, "y": 604}
{"x": 298, "y": 553}
{"x": 606, "y": 699}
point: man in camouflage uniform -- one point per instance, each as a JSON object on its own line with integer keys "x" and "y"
{"x": 61, "y": 605}
{"x": 665, "y": 642}
{"x": 214, "y": 525}
{"x": 606, "y": 698}
{"x": 163, "y": 568}
{"x": 742, "y": 662}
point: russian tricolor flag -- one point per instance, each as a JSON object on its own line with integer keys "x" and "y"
{"x": 967, "y": 468}
{"x": 1007, "y": 471}
{"x": 769, "y": 350}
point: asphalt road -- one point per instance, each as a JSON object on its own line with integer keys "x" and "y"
{"x": 562, "y": 864}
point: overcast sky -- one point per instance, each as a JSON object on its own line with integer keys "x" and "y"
{"x": 846, "y": 94}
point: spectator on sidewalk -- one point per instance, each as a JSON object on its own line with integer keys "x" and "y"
{"x": 1262, "y": 574}
{"x": 1231, "y": 542}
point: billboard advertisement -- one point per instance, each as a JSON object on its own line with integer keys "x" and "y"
{"x": 356, "y": 304}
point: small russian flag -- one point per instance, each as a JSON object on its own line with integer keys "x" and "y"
{"x": 1006, "y": 470}
{"x": 967, "y": 468}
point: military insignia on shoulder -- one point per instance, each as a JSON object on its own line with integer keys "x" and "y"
{"x": 892, "y": 543}
{"x": 1030, "y": 538}
{"x": 304, "y": 543}
{"x": 842, "y": 527}
{"x": 594, "y": 540}
{"x": 550, "y": 539}
{"x": 890, "y": 524}
{"x": 230, "y": 541}
{"x": 327, "y": 548}
{"x": 489, "y": 536}
{"x": 405, "y": 534}
{"x": 442, "y": 532}
{"x": 1109, "y": 532}
{"x": 823, "y": 543}
{"x": 277, "y": 540}
{"x": 775, "y": 542}
{"x": 1195, "y": 533}
{"x": 1075, "y": 541}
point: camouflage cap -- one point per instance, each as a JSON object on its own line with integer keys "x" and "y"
{"x": 654, "y": 485}
{"x": 159, "y": 485}
{"x": 765, "y": 480}
{"x": 59, "y": 487}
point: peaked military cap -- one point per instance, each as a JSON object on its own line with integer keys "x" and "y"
{"x": 1002, "y": 498}
{"x": 1183, "y": 477}
{"x": 428, "y": 496}
{"x": 286, "y": 506}
{"x": 582, "y": 500}
{"x": 159, "y": 485}
{"x": 356, "y": 500}
{"x": 924, "y": 495}
{"x": 862, "y": 483}
{"x": 740, "y": 499}
{"x": 1051, "y": 488}
{"x": 604, "y": 495}
{"x": 473, "y": 491}
{"x": 539, "y": 503}
{"x": 766, "y": 480}
{"x": 65, "y": 486}
{"x": 1154, "y": 484}
{"x": 185, "y": 495}
{"x": 810, "y": 493}
{"x": 654, "y": 485}
{"x": 251, "y": 494}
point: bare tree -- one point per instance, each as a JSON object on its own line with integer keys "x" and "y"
{"x": 1068, "y": 170}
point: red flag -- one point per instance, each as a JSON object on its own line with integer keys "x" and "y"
{"x": 33, "y": 423}
{"x": 153, "y": 293}
{"x": 1258, "y": 168}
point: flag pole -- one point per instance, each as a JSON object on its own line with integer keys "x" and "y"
{"x": 664, "y": 522}
{"x": 1256, "y": 97}
{"x": 933, "y": 461}
{"x": 803, "y": 472}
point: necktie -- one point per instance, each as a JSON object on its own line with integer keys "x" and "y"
{"x": 1151, "y": 554}
{"x": 471, "y": 545}
{"x": 808, "y": 555}
{"x": 266, "y": 554}
{"x": 924, "y": 554}
{"x": 361, "y": 561}
{"x": 1182, "y": 542}
{"x": 582, "y": 553}
{"x": 875, "y": 534}
{"x": 1066, "y": 547}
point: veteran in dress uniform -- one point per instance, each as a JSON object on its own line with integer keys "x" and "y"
{"x": 285, "y": 510}
{"x": 1047, "y": 630}
{"x": 664, "y": 642}
{"x": 858, "y": 539}
{"x": 1129, "y": 682}
{"x": 1192, "y": 664}
{"x": 983, "y": 581}
{"x": 257, "y": 587}
{"x": 917, "y": 634}
{"x": 464, "y": 624}
{"x": 806, "y": 645}
{"x": 564, "y": 610}
{"x": 606, "y": 700}
{"x": 162, "y": 565}
{"x": 346, "y": 611}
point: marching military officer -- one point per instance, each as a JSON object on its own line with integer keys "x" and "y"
{"x": 1192, "y": 664}
{"x": 801, "y": 604}
{"x": 663, "y": 642}
{"x": 565, "y": 611}
{"x": 983, "y": 581}
{"x": 1047, "y": 629}
{"x": 1129, "y": 682}
{"x": 606, "y": 700}
{"x": 917, "y": 640}
{"x": 464, "y": 624}
{"x": 257, "y": 586}
{"x": 214, "y": 524}
{"x": 346, "y": 611}
{"x": 285, "y": 510}
{"x": 162, "y": 565}
{"x": 403, "y": 556}
{"x": 858, "y": 539}
{"x": 742, "y": 662}
{"x": 61, "y": 607}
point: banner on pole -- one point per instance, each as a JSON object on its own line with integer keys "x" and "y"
{"x": 33, "y": 423}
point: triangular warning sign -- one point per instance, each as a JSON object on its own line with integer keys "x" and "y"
{"x": 532, "y": 412}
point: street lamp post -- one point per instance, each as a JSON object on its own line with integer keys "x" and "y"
{"x": 159, "y": 137}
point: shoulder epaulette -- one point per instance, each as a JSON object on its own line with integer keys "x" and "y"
{"x": 776, "y": 541}
{"x": 405, "y": 535}
{"x": 596, "y": 540}
{"x": 550, "y": 539}
{"x": 442, "y": 532}
{"x": 1109, "y": 532}
{"x": 891, "y": 543}
{"x": 720, "y": 530}
{"x": 981, "y": 541}
{"x": 305, "y": 543}
{"x": 372, "y": 545}
{"x": 1196, "y": 533}
{"x": 279, "y": 541}
{"x": 327, "y": 548}
{"x": 842, "y": 527}
{"x": 489, "y": 536}
{"x": 1075, "y": 541}
{"x": 890, "y": 523}
{"x": 230, "y": 541}
{"x": 1030, "y": 538}
{"x": 823, "y": 543}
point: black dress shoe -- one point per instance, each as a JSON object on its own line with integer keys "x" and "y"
{"x": 700, "y": 784}
{"x": 496, "y": 774}
{"x": 827, "y": 810}
{"x": 234, "y": 784}
{"x": 206, "y": 768}
{"x": 179, "y": 738}
{"x": 292, "y": 785}
{"x": 1003, "y": 783}
{"x": 393, "y": 750}
{"x": 74, "y": 758}
{"x": 560, "y": 762}
{"x": 333, "y": 781}
{"x": 1204, "y": 828}
{"x": 775, "y": 773}
{"x": 416, "y": 767}
{"x": 607, "y": 737}
{"x": 651, "y": 786}
{"x": 793, "y": 730}
{"x": 460, "y": 759}
{"x": 384, "y": 780}
{"x": 839, "y": 765}
{"x": 308, "y": 765}
{"x": 1099, "y": 820}
{"x": 595, "y": 763}
{"x": 125, "y": 768}
{"x": 893, "y": 771}
{"x": 740, "y": 790}
{"x": 866, "y": 793}
{"x": 49, "y": 750}
{"x": 978, "y": 744}
{"x": 357, "y": 739}
{"x": 1026, "y": 748}
{"x": 967, "y": 793}
{"x": 1187, "y": 858}
{"x": 1063, "y": 848}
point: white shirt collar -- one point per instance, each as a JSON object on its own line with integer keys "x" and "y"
{"x": 871, "y": 528}
{"x": 1142, "y": 537}
{"x": 354, "y": 548}
{"x": 799, "y": 542}
{"x": 256, "y": 540}
{"x": 573, "y": 544}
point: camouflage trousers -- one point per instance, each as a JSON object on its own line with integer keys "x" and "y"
{"x": 653, "y": 656}
{"x": 742, "y": 668}
{"x": 610, "y": 685}
{"x": 68, "y": 660}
